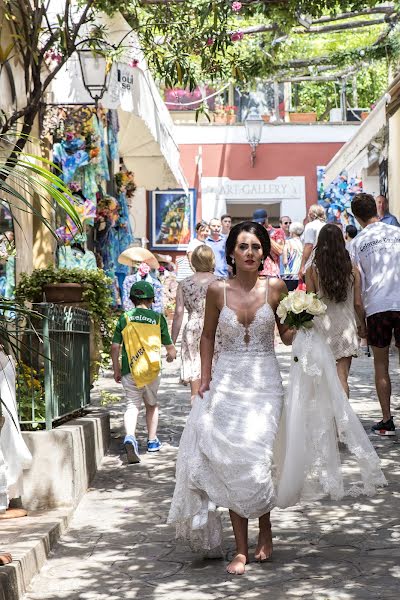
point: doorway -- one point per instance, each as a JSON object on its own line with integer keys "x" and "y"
{"x": 243, "y": 211}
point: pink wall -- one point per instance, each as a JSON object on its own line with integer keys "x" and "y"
{"x": 273, "y": 160}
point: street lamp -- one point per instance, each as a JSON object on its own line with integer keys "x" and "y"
{"x": 95, "y": 73}
{"x": 254, "y": 125}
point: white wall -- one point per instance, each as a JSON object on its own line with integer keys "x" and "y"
{"x": 394, "y": 164}
{"x": 271, "y": 134}
{"x": 138, "y": 213}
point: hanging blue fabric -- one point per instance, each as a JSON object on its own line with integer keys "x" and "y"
{"x": 112, "y": 133}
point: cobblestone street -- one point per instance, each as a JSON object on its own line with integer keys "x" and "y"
{"x": 118, "y": 546}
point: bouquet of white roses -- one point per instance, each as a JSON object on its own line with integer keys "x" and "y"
{"x": 298, "y": 309}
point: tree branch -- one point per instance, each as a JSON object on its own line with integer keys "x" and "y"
{"x": 376, "y": 10}
{"x": 340, "y": 26}
{"x": 319, "y": 30}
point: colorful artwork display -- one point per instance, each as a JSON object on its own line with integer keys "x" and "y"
{"x": 336, "y": 197}
{"x": 172, "y": 216}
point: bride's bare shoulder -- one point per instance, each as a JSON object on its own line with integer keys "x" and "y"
{"x": 278, "y": 286}
{"x": 277, "y": 289}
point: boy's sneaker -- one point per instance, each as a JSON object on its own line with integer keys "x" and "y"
{"x": 132, "y": 449}
{"x": 153, "y": 445}
{"x": 384, "y": 428}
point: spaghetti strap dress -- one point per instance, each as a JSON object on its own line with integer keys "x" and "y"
{"x": 226, "y": 449}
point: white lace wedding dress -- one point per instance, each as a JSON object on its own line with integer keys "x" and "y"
{"x": 225, "y": 453}
{"x": 230, "y": 442}
{"x": 316, "y": 415}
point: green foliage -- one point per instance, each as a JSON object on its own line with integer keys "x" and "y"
{"x": 320, "y": 97}
{"x": 96, "y": 292}
{"x": 106, "y": 398}
{"x": 190, "y": 41}
{"x": 30, "y": 390}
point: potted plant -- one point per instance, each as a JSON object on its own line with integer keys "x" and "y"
{"x": 94, "y": 286}
{"x": 230, "y": 112}
{"x": 219, "y": 113}
{"x": 63, "y": 293}
{"x": 96, "y": 299}
{"x": 303, "y": 117}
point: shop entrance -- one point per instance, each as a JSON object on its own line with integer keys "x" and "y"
{"x": 242, "y": 211}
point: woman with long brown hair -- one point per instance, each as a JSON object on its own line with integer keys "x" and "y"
{"x": 338, "y": 283}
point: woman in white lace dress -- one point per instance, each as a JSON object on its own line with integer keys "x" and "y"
{"x": 191, "y": 295}
{"x": 338, "y": 283}
{"x": 225, "y": 454}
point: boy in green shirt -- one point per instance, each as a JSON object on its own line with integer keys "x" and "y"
{"x": 140, "y": 332}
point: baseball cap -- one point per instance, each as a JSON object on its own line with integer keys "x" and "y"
{"x": 260, "y": 215}
{"x": 142, "y": 289}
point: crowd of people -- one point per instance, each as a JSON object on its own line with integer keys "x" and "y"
{"x": 238, "y": 275}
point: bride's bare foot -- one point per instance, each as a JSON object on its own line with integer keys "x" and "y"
{"x": 264, "y": 546}
{"x": 237, "y": 566}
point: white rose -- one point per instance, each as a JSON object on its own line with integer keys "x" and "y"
{"x": 289, "y": 300}
{"x": 282, "y": 312}
{"x": 299, "y": 302}
{"x": 285, "y": 302}
{"x": 316, "y": 307}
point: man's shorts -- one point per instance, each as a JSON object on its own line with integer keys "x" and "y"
{"x": 135, "y": 395}
{"x": 381, "y": 326}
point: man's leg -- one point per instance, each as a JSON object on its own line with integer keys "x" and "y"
{"x": 382, "y": 379}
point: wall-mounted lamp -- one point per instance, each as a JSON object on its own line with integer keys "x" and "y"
{"x": 95, "y": 73}
{"x": 254, "y": 125}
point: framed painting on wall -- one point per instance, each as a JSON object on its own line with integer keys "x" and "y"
{"x": 172, "y": 219}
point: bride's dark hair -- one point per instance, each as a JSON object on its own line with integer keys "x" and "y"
{"x": 333, "y": 263}
{"x": 249, "y": 227}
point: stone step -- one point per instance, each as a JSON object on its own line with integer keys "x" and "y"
{"x": 29, "y": 539}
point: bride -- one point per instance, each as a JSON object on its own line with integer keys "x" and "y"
{"x": 225, "y": 454}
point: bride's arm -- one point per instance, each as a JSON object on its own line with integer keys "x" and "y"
{"x": 208, "y": 336}
{"x": 277, "y": 290}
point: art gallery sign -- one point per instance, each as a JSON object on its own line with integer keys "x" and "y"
{"x": 288, "y": 192}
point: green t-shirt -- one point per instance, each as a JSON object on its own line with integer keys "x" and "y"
{"x": 140, "y": 315}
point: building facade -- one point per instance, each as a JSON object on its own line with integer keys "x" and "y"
{"x": 216, "y": 162}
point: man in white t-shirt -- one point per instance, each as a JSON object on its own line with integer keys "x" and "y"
{"x": 376, "y": 252}
{"x": 317, "y": 219}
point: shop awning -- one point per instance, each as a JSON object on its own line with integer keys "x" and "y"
{"x": 349, "y": 153}
{"x": 146, "y": 138}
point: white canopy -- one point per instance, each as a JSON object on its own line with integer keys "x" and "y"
{"x": 146, "y": 135}
{"x": 356, "y": 146}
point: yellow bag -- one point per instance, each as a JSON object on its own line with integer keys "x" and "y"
{"x": 142, "y": 343}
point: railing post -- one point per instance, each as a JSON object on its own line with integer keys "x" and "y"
{"x": 48, "y": 375}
